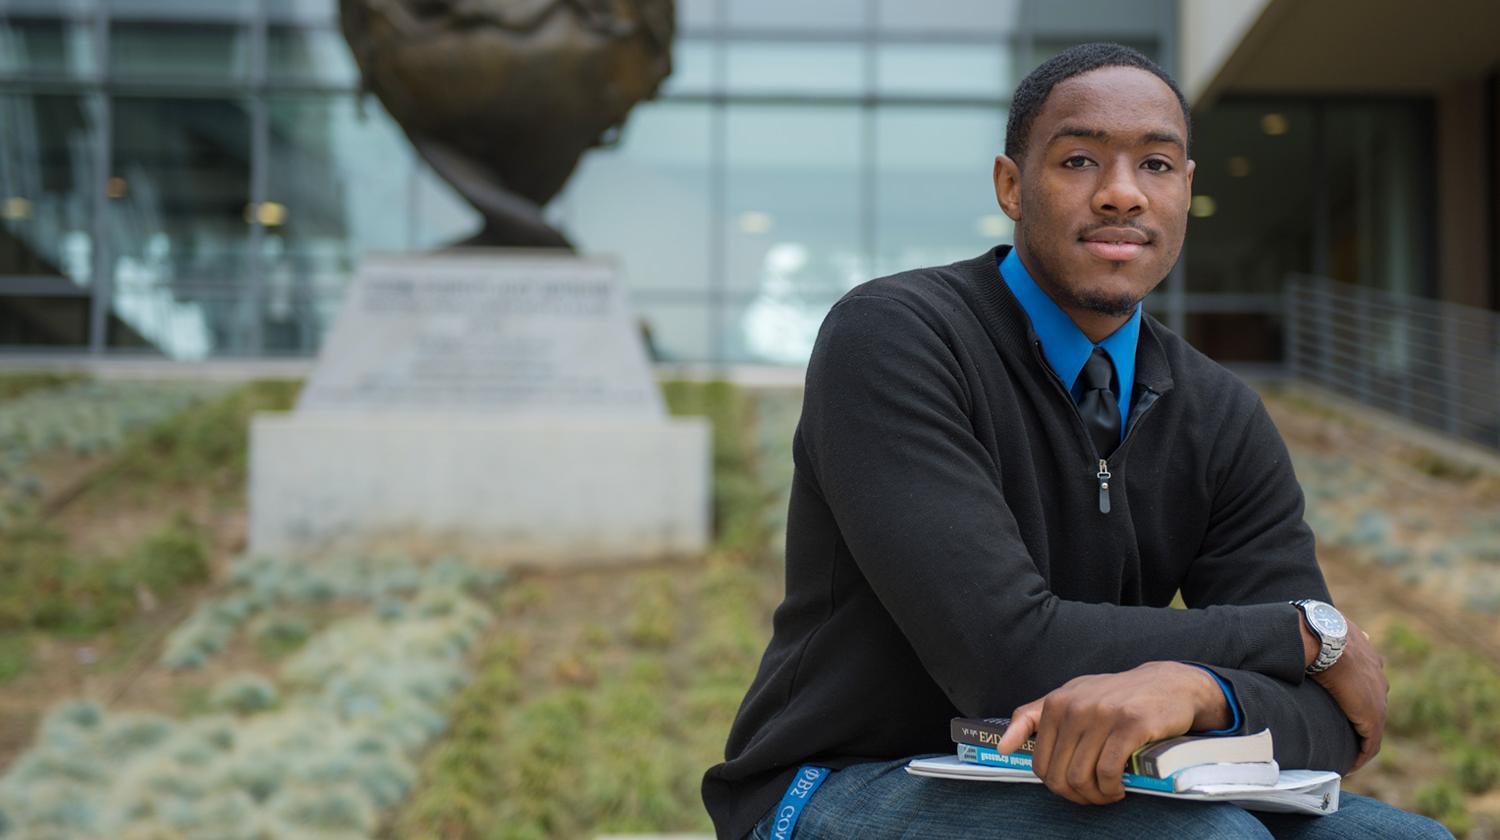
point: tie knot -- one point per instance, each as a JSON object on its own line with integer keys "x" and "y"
{"x": 1098, "y": 371}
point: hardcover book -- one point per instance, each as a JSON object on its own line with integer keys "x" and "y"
{"x": 1159, "y": 759}
{"x": 1242, "y": 773}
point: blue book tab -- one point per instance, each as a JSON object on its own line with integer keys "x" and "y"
{"x": 974, "y": 754}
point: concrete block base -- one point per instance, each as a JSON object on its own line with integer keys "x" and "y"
{"x": 539, "y": 491}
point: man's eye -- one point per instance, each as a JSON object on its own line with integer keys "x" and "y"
{"x": 1076, "y": 162}
{"x": 1157, "y": 165}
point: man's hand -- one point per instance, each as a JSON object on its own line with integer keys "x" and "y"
{"x": 1087, "y": 729}
{"x": 1357, "y": 683}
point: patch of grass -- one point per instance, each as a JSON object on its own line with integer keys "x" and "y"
{"x": 49, "y": 587}
{"x": 1443, "y": 702}
{"x": 17, "y": 384}
{"x": 739, "y": 497}
{"x": 205, "y": 446}
{"x": 624, "y": 750}
{"x": 1444, "y": 802}
{"x": 1441, "y": 468}
{"x": 15, "y": 655}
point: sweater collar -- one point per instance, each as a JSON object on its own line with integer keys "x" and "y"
{"x": 1011, "y": 327}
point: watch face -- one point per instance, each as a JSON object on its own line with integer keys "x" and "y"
{"x": 1326, "y": 620}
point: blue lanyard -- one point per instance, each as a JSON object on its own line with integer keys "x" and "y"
{"x": 797, "y": 793}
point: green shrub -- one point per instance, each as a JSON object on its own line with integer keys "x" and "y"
{"x": 1475, "y": 767}
{"x": 52, "y": 588}
{"x": 1444, "y": 802}
{"x": 13, "y": 385}
{"x": 15, "y": 655}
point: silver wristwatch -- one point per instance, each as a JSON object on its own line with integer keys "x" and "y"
{"x": 1329, "y": 626}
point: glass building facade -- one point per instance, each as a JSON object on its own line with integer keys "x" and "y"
{"x": 200, "y": 178}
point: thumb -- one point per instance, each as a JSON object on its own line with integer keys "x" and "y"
{"x": 1023, "y": 723}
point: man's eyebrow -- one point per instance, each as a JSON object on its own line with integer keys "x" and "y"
{"x": 1104, "y": 136}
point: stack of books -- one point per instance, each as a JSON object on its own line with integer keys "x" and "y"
{"x": 1234, "y": 768}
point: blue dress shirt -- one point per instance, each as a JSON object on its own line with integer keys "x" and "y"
{"x": 1065, "y": 346}
{"x": 1066, "y": 349}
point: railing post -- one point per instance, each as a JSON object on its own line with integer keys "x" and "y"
{"x": 1407, "y": 353}
{"x": 1451, "y": 373}
{"x": 1290, "y": 300}
{"x": 1364, "y": 344}
{"x": 1325, "y": 332}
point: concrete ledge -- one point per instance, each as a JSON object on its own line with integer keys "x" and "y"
{"x": 528, "y": 490}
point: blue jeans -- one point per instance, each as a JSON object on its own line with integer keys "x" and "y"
{"x": 881, "y": 800}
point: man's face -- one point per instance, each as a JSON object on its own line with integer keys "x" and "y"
{"x": 1101, "y": 195}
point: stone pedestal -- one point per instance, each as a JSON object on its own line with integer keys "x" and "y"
{"x": 499, "y": 402}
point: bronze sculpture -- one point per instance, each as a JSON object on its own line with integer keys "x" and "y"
{"x": 502, "y": 97}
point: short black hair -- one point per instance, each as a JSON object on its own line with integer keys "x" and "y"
{"x": 1033, "y": 91}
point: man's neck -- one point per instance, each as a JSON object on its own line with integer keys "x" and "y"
{"x": 1096, "y": 326}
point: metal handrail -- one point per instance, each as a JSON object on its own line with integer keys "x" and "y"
{"x": 1433, "y": 362}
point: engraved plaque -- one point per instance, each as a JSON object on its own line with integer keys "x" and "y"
{"x": 494, "y": 332}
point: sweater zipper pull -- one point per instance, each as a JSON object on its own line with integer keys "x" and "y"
{"x": 1103, "y": 477}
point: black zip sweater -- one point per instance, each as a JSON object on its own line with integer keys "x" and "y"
{"x": 947, "y": 553}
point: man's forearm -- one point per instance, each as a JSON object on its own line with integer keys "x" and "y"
{"x": 1309, "y": 729}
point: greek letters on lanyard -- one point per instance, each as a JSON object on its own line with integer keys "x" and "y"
{"x": 797, "y": 793}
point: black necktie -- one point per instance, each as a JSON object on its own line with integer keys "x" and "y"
{"x": 1098, "y": 406}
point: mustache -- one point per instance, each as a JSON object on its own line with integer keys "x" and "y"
{"x": 1151, "y": 233}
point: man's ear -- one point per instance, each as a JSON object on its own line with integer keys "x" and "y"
{"x": 1008, "y": 186}
{"x": 1192, "y": 166}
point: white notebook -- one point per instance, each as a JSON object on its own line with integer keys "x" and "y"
{"x": 1296, "y": 792}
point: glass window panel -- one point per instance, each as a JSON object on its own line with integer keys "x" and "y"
{"x": 676, "y": 330}
{"x": 47, "y": 172}
{"x": 692, "y": 68}
{"x": 697, "y": 14}
{"x": 301, "y": 291}
{"x": 794, "y": 209}
{"x": 178, "y": 220}
{"x": 935, "y": 202}
{"x": 181, "y": 10}
{"x": 340, "y": 181}
{"x": 1379, "y": 172}
{"x": 1044, "y": 49}
{"x": 1254, "y": 198}
{"x": 772, "y": 329}
{"x": 44, "y": 321}
{"x": 303, "y": 11}
{"x": 797, "y": 14}
{"x": 1236, "y": 336}
{"x": 47, "y": 46}
{"x": 646, "y": 201}
{"x": 339, "y": 185}
{"x": 179, "y": 50}
{"x": 905, "y": 16}
{"x": 440, "y": 216}
{"x": 950, "y": 70}
{"x": 795, "y": 68}
{"x": 49, "y": 8}
{"x": 304, "y": 54}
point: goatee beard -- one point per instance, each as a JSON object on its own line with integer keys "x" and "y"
{"x": 1113, "y": 307}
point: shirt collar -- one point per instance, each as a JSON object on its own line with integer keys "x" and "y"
{"x": 1064, "y": 345}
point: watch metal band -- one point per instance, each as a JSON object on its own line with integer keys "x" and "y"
{"x": 1329, "y": 649}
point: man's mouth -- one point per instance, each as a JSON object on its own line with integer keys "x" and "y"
{"x": 1116, "y": 244}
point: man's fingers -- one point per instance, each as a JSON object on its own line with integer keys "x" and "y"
{"x": 1369, "y": 747}
{"x": 1023, "y": 724}
{"x": 1111, "y": 765}
{"x": 1082, "y": 771}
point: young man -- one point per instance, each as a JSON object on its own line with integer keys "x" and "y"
{"x": 1004, "y": 472}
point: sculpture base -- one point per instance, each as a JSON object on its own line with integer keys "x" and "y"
{"x": 529, "y": 491}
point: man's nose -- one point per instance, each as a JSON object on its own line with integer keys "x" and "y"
{"x": 1119, "y": 194}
